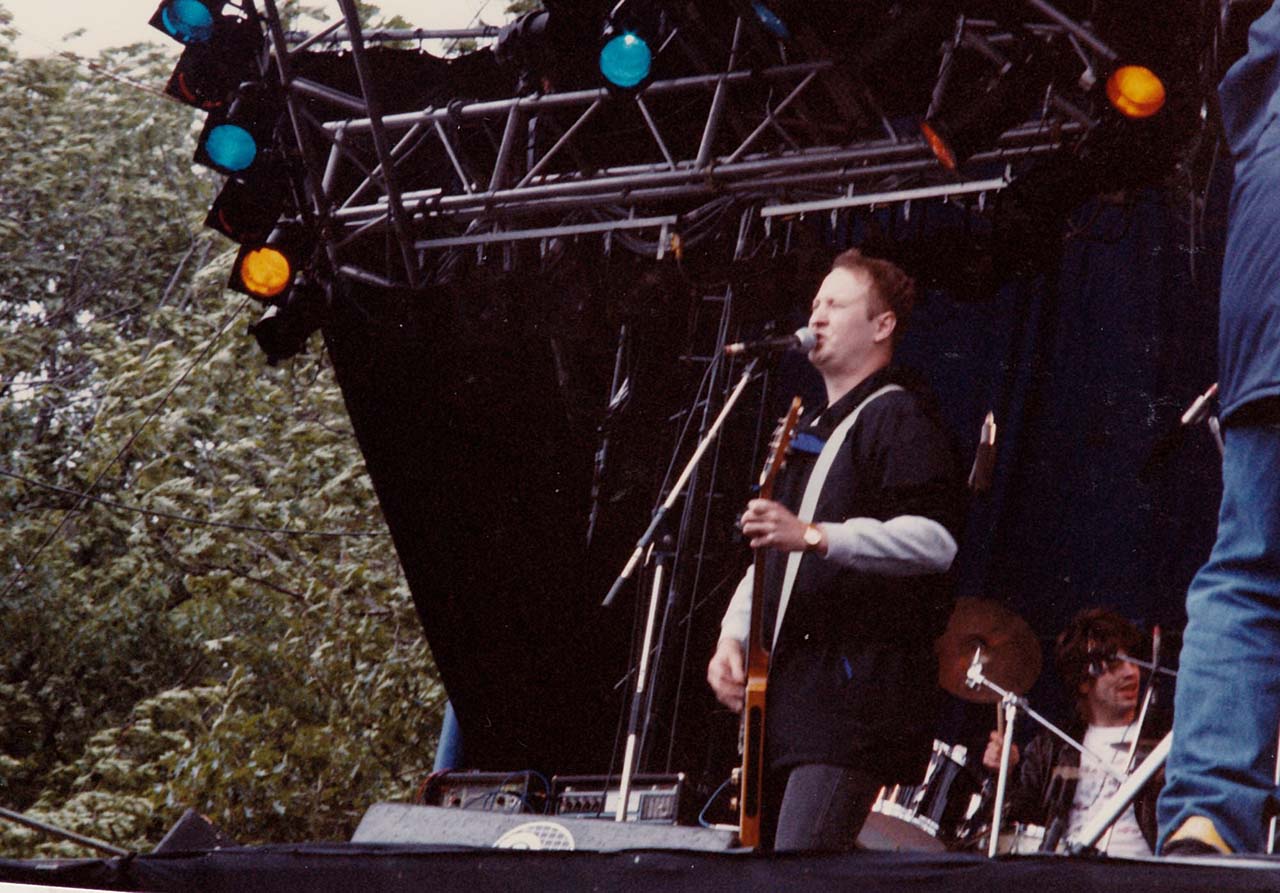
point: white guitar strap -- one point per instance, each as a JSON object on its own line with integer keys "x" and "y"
{"x": 811, "y": 492}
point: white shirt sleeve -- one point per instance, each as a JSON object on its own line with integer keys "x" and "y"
{"x": 900, "y": 547}
{"x": 737, "y": 618}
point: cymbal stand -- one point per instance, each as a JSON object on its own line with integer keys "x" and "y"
{"x": 1006, "y": 749}
{"x": 1011, "y": 702}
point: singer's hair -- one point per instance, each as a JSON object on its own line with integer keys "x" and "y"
{"x": 1093, "y": 635}
{"x": 893, "y": 289}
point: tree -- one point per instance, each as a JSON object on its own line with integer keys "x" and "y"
{"x": 165, "y": 649}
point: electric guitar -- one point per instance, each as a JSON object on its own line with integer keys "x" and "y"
{"x": 753, "y": 711}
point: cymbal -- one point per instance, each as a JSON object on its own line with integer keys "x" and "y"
{"x": 1010, "y": 650}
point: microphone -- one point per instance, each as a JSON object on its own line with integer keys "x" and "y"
{"x": 800, "y": 339}
{"x": 984, "y": 460}
{"x": 1198, "y": 411}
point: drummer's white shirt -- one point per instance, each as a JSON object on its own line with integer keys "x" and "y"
{"x": 1096, "y": 786}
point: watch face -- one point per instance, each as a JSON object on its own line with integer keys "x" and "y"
{"x": 812, "y": 535}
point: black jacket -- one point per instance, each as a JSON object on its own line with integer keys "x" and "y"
{"x": 853, "y": 676}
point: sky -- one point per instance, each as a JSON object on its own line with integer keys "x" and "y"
{"x": 43, "y": 23}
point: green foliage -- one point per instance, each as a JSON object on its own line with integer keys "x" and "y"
{"x": 520, "y": 7}
{"x": 279, "y": 684}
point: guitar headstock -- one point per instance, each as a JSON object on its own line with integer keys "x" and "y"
{"x": 779, "y": 444}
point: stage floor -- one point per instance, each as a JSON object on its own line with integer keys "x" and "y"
{"x": 370, "y": 868}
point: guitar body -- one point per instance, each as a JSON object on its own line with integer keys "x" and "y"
{"x": 753, "y": 710}
{"x": 753, "y": 713}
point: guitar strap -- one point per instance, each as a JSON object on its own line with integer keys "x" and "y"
{"x": 810, "y": 499}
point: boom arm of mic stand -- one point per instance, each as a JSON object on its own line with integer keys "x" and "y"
{"x": 647, "y": 537}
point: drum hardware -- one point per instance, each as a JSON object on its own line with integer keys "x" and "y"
{"x": 924, "y": 817}
{"x": 1024, "y": 839}
{"x": 1010, "y": 650}
{"x": 1011, "y": 702}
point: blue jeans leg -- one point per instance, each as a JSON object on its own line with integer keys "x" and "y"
{"x": 1227, "y": 705}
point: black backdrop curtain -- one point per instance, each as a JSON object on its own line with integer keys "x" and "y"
{"x": 459, "y": 399}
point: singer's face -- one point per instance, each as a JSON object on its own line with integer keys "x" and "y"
{"x": 1113, "y": 696}
{"x": 846, "y": 319}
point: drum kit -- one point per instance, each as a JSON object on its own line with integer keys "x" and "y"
{"x": 989, "y": 655}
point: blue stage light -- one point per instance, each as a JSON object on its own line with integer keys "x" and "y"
{"x": 770, "y": 20}
{"x": 625, "y": 60}
{"x": 230, "y": 147}
{"x": 189, "y": 21}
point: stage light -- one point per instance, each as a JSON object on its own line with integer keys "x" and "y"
{"x": 938, "y": 145}
{"x": 625, "y": 58}
{"x": 972, "y": 115}
{"x": 1135, "y": 91}
{"x": 772, "y": 22}
{"x": 283, "y": 330}
{"x": 208, "y": 74}
{"x": 187, "y": 21}
{"x": 230, "y": 147}
{"x": 234, "y": 141}
{"x": 264, "y": 271}
{"x": 247, "y": 209}
{"x": 959, "y": 132}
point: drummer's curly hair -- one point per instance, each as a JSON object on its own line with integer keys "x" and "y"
{"x": 1093, "y": 635}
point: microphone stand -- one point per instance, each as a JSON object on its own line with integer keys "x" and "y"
{"x": 678, "y": 487}
{"x": 643, "y": 546}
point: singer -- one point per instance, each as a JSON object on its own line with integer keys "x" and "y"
{"x": 1055, "y": 787}
{"x": 858, "y": 544}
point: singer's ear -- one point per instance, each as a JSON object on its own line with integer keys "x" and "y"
{"x": 886, "y": 322}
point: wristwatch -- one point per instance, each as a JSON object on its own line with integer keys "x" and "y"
{"x": 812, "y": 537}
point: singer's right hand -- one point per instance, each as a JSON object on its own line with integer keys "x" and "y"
{"x": 991, "y": 756}
{"x": 727, "y": 674}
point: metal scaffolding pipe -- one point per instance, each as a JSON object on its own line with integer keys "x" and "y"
{"x": 721, "y": 176}
{"x": 364, "y": 76}
{"x": 492, "y": 108}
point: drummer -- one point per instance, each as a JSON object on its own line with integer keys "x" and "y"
{"x": 1050, "y": 785}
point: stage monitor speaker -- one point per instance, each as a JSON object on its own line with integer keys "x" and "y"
{"x": 407, "y": 823}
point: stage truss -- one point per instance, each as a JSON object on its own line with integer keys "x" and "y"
{"x": 755, "y": 126}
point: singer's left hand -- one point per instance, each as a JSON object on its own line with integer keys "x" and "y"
{"x": 771, "y": 525}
